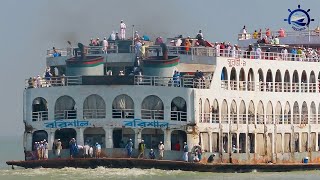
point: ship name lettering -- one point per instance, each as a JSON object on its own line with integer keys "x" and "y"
{"x": 236, "y": 62}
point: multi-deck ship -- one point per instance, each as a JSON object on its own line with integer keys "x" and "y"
{"x": 244, "y": 107}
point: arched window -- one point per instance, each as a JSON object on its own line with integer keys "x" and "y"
{"x": 260, "y": 113}
{"x": 251, "y": 82}
{"x": 251, "y": 113}
{"x": 261, "y": 80}
{"x": 269, "y": 116}
{"x": 312, "y": 83}
{"x": 269, "y": 81}
{"x": 242, "y": 113}
{"x": 215, "y": 112}
{"x": 304, "y": 82}
{"x": 278, "y": 83}
{"x": 94, "y": 107}
{"x": 206, "y": 111}
{"x": 233, "y": 112}
{"x": 224, "y": 78}
{"x": 287, "y": 114}
{"x": 123, "y": 107}
{"x": 178, "y": 109}
{"x": 295, "y": 81}
{"x": 39, "y": 109}
{"x": 287, "y": 83}
{"x": 304, "y": 113}
{"x": 233, "y": 79}
{"x": 242, "y": 80}
{"x": 313, "y": 113}
{"x": 152, "y": 108}
{"x": 278, "y": 116}
{"x": 224, "y": 112}
{"x": 65, "y": 108}
{"x": 296, "y": 113}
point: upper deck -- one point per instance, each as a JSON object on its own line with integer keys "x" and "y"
{"x": 309, "y": 38}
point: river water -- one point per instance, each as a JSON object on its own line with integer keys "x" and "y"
{"x": 11, "y": 149}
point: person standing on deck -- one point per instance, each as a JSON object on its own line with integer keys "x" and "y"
{"x": 185, "y": 152}
{"x": 105, "y": 45}
{"x": 98, "y": 150}
{"x": 129, "y": 148}
{"x": 258, "y": 52}
{"x": 123, "y": 30}
{"x": 161, "y": 150}
{"x": 58, "y": 148}
{"x": 45, "y": 147}
{"x": 142, "y": 147}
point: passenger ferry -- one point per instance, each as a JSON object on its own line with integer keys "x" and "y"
{"x": 243, "y": 109}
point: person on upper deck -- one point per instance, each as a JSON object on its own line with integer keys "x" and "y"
{"x": 255, "y": 34}
{"x": 112, "y": 36}
{"x": 136, "y": 36}
{"x": 258, "y": 52}
{"x": 199, "y": 35}
{"x": 276, "y": 40}
{"x": 117, "y": 36}
{"x": 268, "y": 32}
{"x": 178, "y": 41}
{"x": 158, "y": 41}
{"x": 123, "y": 30}
{"x": 105, "y": 45}
{"x": 244, "y": 32}
{"x": 187, "y": 44}
{"x": 282, "y": 33}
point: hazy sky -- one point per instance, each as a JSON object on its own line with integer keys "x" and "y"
{"x": 29, "y": 27}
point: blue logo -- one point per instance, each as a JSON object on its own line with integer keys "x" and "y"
{"x": 299, "y": 19}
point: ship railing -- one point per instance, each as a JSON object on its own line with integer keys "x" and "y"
{"x": 269, "y": 119}
{"x": 312, "y": 87}
{"x": 269, "y": 86}
{"x": 261, "y": 86}
{"x": 224, "y": 84}
{"x": 233, "y": 118}
{"x": 94, "y": 113}
{"x": 260, "y": 119}
{"x": 242, "y": 119}
{"x": 40, "y": 116}
{"x": 251, "y": 85}
{"x": 287, "y": 119}
{"x": 224, "y": 119}
{"x": 123, "y": 113}
{"x": 295, "y": 87}
{"x": 296, "y": 118}
{"x": 53, "y": 81}
{"x": 206, "y": 117}
{"x": 89, "y": 50}
{"x": 278, "y": 118}
{"x": 247, "y": 36}
{"x": 178, "y": 116}
{"x": 278, "y": 86}
{"x": 152, "y": 114}
{"x": 242, "y": 85}
{"x": 233, "y": 85}
{"x": 65, "y": 114}
{"x": 183, "y": 50}
{"x": 304, "y": 87}
{"x": 313, "y": 118}
{"x": 215, "y": 118}
{"x": 185, "y": 81}
{"x": 251, "y": 119}
{"x": 286, "y": 87}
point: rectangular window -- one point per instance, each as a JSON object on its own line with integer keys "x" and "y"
{"x": 215, "y": 142}
{"x": 287, "y": 142}
{"x": 279, "y": 143}
{"x": 251, "y": 143}
{"x": 242, "y": 143}
{"x": 261, "y": 144}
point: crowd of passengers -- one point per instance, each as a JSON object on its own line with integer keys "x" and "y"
{"x": 94, "y": 150}
{"x": 47, "y": 80}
